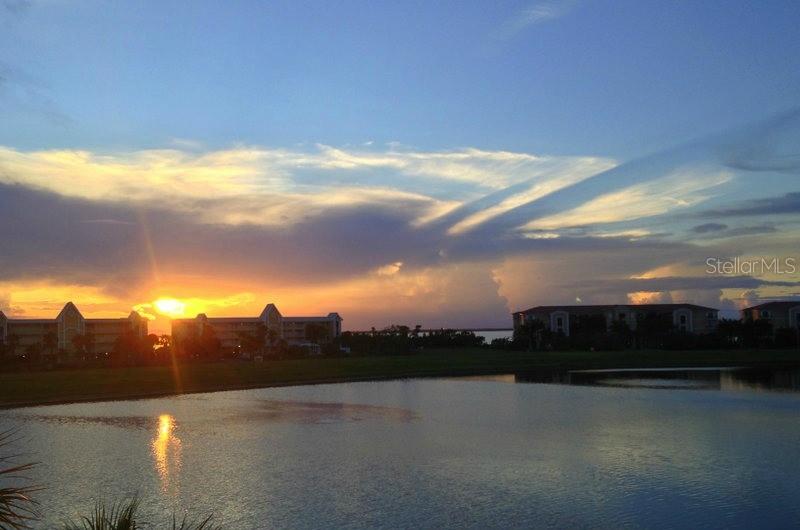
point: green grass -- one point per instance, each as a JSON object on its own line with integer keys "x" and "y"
{"x": 25, "y": 388}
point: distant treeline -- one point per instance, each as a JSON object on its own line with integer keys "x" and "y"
{"x": 132, "y": 350}
{"x": 400, "y": 339}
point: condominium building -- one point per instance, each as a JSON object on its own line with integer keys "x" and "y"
{"x": 780, "y": 314}
{"x": 60, "y": 332}
{"x": 230, "y": 330}
{"x": 688, "y": 318}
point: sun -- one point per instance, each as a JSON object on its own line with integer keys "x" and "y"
{"x": 170, "y": 307}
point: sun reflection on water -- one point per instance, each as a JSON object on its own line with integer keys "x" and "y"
{"x": 166, "y": 449}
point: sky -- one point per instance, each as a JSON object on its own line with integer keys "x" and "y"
{"x": 433, "y": 163}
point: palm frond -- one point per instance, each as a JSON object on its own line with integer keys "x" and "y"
{"x": 121, "y": 516}
{"x": 17, "y": 506}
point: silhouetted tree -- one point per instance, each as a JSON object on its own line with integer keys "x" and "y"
{"x": 208, "y": 345}
{"x": 83, "y": 343}
{"x": 49, "y": 343}
{"x": 529, "y": 334}
{"x": 316, "y": 333}
{"x": 33, "y": 352}
{"x": 12, "y": 343}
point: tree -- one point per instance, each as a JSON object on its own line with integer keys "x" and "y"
{"x": 272, "y": 338}
{"x": 33, "y": 351}
{"x": 530, "y": 334}
{"x": 49, "y": 343}
{"x": 260, "y": 335}
{"x": 165, "y": 341}
{"x": 148, "y": 345}
{"x": 730, "y": 332}
{"x": 316, "y": 333}
{"x": 83, "y": 343}
{"x": 208, "y": 345}
{"x": 12, "y": 343}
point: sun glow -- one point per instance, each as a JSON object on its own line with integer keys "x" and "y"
{"x": 170, "y": 307}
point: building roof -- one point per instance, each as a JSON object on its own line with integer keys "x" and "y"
{"x": 610, "y": 307}
{"x": 332, "y": 316}
{"x": 32, "y": 321}
{"x": 778, "y": 304}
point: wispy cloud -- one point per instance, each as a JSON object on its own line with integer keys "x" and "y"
{"x": 679, "y": 190}
{"x": 280, "y": 186}
{"x": 532, "y": 15}
{"x": 15, "y": 6}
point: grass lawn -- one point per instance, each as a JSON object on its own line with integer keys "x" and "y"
{"x": 27, "y": 388}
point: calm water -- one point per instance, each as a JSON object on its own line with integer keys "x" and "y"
{"x": 430, "y": 454}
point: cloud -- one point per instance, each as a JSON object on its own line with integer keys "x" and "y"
{"x": 16, "y": 6}
{"x": 279, "y": 187}
{"x": 679, "y": 190}
{"x": 191, "y": 306}
{"x": 773, "y": 145}
{"x": 389, "y": 269}
{"x": 22, "y": 92}
{"x": 788, "y": 204}
{"x": 532, "y": 15}
{"x": 709, "y": 227}
{"x": 376, "y": 232}
{"x": 726, "y": 232}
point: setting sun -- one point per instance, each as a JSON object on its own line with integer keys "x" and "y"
{"x": 170, "y": 307}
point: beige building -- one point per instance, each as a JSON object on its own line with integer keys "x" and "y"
{"x": 230, "y": 330}
{"x": 779, "y": 314}
{"x": 60, "y": 331}
{"x": 689, "y": 318}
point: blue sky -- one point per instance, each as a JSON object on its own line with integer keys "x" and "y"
{"x": 488, "y": 140}
{"x": 615, "y": 78}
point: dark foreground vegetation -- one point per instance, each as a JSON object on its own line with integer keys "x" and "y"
{"x": 38, "y": 387}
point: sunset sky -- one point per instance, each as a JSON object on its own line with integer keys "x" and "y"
{"x": 434, "y": 163}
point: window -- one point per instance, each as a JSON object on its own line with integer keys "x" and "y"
{"x": 710, "y": 315}
{"x": 622, "y": 316}
{"x": 765, "y": 314}
{"x": 683, "y": 319}
{"x": 560, "y": 322}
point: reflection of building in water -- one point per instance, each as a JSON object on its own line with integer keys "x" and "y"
{"x": 166, "y": 449}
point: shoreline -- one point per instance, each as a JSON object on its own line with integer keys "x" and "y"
{"x": 87, "y": 385}
{"x": 233, "y": 388}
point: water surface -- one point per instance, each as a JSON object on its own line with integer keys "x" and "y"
{"x": 429, "y": 454}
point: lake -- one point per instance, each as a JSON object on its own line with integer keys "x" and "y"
{"x": 476, "y": 452}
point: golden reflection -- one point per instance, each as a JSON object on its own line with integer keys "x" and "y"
{"x": 166, "y": 451}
